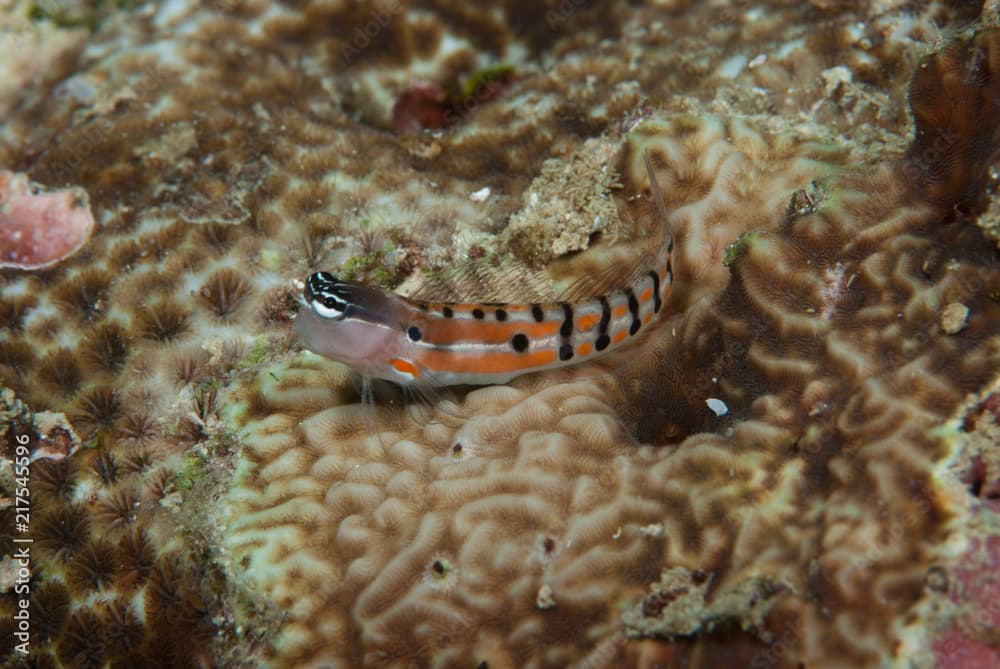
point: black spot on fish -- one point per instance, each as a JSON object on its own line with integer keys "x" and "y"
{"x": 602, "y": 342}
{"x": 567, "y": 326}
{"x": 657, "y": 303}
{"x": 519, "y": 342}
{"x": 565, "y": 352}
{"x": 447, "y": 312}
{"x": 537, "y": 313}
{"x": 633, "y": 307}
{"x": 414, "y": 333}
{"x": 501, "y": 315}
{"x": 602, "y": 327}
{"x": 478, "y": 313}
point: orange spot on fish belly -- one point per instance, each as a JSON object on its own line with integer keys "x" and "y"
{"x": 646, "y": 295}
{"x": 620, "y": 311}
{"x": 404, "y": 366}
{"x": 619, "y": 336}
{"x": 584, "y": 348}
{"x": 587, "y": 321}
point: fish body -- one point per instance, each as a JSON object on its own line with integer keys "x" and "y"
{"x": 387, "y": 336}
{"x": 421, "y": 344}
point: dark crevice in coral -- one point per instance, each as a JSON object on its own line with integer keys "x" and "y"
{"x": 955, "y": 98}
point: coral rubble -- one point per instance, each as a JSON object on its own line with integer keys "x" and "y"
{"x": 205, "y": 494}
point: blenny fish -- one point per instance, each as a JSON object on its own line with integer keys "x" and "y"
{"x": 417, "y": 343}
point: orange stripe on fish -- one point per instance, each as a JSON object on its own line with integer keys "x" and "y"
{"x": 503, "y": 362}
{"x": 443, "y": 332}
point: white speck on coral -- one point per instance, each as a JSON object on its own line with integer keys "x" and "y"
{"x": 480, "y": 195}
{"x": 789, "y": 48}
{"x": 835, "y": 77}
{"x": 544, "y": 599}
{"x": 717, "y": 406}
{"x": 833, "y": 290}
{"x": 732, "y": 66}
{"x": 855, "y": 32}
{"x": 652, "y": 531}
{"x": 757, "y": 61}
{"x": 954, "y": 318}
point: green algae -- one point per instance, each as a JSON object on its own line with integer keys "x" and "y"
{"x": 194, "y": 469}
{"x": 737, "y": 247}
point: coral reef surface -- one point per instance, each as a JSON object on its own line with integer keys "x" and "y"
{"x": 796, "y": 467}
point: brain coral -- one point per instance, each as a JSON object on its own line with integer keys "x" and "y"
{"x": 203, "y": 494}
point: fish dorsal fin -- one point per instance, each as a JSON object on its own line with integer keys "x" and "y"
{"x": 496, "y": 279}
{"x": 661, "y": 204}
{"x": 490, "y": 279}
{"x": 626, "y": 263}
{"x": 613, "y": 275}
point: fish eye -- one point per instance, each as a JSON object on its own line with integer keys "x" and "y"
{"x": 328, "y": 306}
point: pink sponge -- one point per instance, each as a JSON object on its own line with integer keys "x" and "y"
{"x": 970, "y": 643}
{"x": 39, "y": 229}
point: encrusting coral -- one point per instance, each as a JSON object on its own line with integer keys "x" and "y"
{"x": 206, "y": 494}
